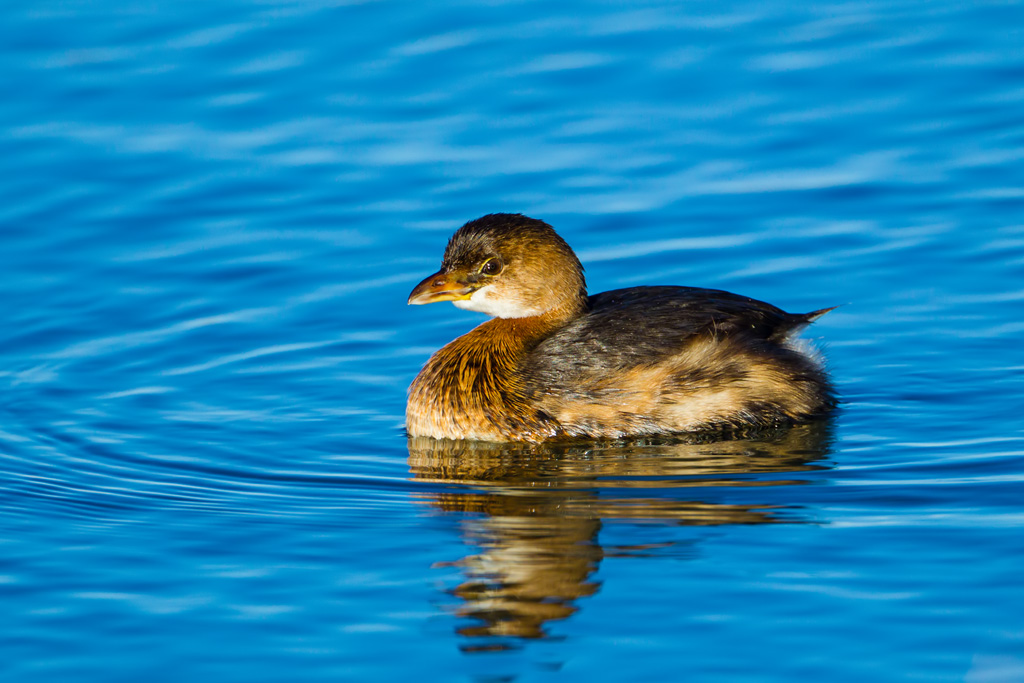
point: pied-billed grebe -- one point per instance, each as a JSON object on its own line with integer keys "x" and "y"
{"x": 554, "y": 362}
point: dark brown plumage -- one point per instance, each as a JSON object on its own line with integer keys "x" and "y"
{"x": 556, "y": 363}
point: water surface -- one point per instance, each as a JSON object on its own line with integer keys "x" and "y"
{"x": 212, "y": 215}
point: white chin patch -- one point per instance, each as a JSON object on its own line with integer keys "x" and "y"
{"x": 484, "y": 301}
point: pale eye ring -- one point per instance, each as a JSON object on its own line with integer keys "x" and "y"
{"x": 491, "y": 266}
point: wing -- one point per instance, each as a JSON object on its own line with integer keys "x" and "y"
{"x": 640, "y": 325}
{"x": 654, "y": 359}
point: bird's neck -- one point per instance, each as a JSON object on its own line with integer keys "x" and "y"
{"x": 472, "y": 385}
{"x": 513, "y": 337}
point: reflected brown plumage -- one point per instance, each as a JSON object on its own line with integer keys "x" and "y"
{"x": 555, "y": 363}
{"x": 533, "y": 512}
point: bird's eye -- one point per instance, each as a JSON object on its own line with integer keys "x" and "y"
{"x": 491, "y": 267}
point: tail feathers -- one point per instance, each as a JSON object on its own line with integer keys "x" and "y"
{"x": 797, "y": 322}
{"x": 814, "y": 315}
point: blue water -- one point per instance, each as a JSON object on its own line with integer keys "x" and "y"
{"x": 211, "y": 215}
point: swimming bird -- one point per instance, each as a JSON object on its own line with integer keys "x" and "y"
{"x": 555, "y": 363}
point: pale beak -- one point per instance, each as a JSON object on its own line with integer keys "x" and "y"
{"x": 441, "y": 286}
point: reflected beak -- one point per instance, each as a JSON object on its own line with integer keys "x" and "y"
{"x": 441, "y": 286}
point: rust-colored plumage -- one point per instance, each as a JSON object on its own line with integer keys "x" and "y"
{"x": 556, "y": 363}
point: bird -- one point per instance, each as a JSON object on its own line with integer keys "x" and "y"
{"x": 556, "y": 363}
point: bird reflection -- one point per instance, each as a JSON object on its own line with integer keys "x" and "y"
{"x": 534, "y": 511}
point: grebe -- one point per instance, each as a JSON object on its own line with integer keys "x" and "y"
{"x": 554, "y": 363}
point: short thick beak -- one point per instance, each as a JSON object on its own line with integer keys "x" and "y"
{"x": 440, "y": 286}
